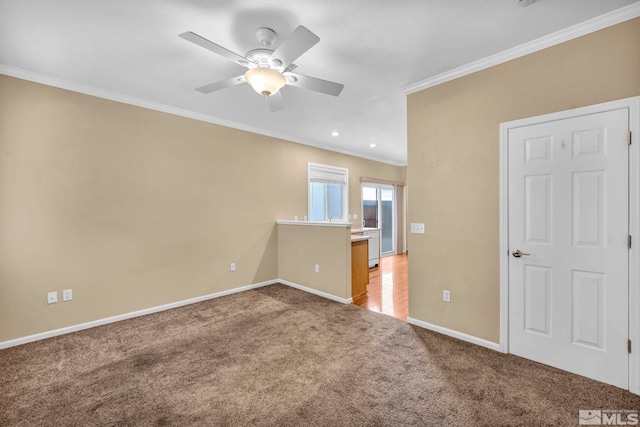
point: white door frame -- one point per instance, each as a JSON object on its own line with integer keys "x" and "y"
{"x": 634, "y": 221}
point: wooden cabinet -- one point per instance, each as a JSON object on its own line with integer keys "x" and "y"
{"x": 359, "y": 267}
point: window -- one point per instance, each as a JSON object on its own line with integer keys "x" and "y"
{"x": 328, "y": 193}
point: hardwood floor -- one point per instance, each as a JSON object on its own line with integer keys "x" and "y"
{"x": 388, "y": 288}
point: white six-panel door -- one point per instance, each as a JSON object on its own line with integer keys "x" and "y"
{"x": 568, "y": 183}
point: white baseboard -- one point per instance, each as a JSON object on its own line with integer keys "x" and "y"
{"x": 315, "y": 292}
{"x": 454, "y": 334}
{"x": 105, "y": 321}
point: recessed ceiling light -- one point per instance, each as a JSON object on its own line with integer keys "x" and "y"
{"x": 372, "y": 145}
{"x": 335, "y": 133}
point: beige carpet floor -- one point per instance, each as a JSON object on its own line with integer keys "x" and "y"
{"x": 276, "y": 356}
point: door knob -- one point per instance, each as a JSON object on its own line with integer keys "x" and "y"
{"x": 518, "y": 254}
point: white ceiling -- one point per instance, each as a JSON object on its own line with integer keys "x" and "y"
{"x": 374, "y": 47}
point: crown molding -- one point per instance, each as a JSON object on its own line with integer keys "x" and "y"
{"x": 138, "y": 102}
{"x": 607, "y": 20}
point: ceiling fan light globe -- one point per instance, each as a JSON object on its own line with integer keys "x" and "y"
{"x": 265, "y": 81}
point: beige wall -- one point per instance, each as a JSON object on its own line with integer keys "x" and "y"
{"x": 133, "y": 208}
{"x": 301, "y": 247}
{"x": 453, "y": 168}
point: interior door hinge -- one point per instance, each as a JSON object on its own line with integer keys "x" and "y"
{"x": 629, "y": 346}
{"x": 629, "y": 138}
{"x": 629, "y": 241}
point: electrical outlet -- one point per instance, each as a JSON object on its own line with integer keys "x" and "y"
{"x": 446, "y": 296}
{"x": 52, "y": 297}
{"x": 317, "y": 268}
{"x": 417, "y": 228}
{"x": 67, "y": 295}
{"x": 233, "y": 266}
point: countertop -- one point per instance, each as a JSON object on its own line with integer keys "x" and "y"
{"x": 344, "y": 224}
{"x": 328, "y": 224}
{"x": 361, "y": 229}
{"x": 359, "y": 238}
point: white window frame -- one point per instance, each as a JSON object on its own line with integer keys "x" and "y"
{"x": 326, "y": 174}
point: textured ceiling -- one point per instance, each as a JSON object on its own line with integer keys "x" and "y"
{"x": 374, "y": 47}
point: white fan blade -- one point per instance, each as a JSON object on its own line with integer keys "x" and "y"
{"x": 212, "y": 87}
{"x": 317, "y": 85}
{"x": 215, "y": 48}
{"x": 275, "y": 102}
{"x": 298, "y": 42}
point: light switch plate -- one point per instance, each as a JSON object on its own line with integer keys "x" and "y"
{"x": 417, "y": 228}
{"x": 67, "y": 295}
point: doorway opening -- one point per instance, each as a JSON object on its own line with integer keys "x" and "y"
{"x": 383, "y": 210}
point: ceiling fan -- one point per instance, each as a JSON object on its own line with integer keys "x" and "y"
{"x": 269, "y": 70}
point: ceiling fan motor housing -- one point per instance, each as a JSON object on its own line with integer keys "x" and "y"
{"x": 260, "y": 57}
